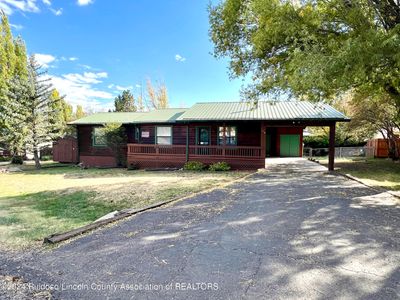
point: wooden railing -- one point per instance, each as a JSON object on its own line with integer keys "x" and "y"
{"x": 180, "y": 150}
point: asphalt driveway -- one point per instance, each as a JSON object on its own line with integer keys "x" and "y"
{"x": 292, "y": 231}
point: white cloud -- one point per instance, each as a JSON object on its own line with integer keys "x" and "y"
{"x": 47, "y": 2}
{"x": 138, "y": 85}
{"x": 16, "y": 26}
{"x": 44, "y": 59}
{"x": 123, "y": 88}
{"x": 84, "y": 2}
{"x": 86, "y": 77}
{"x": 8, "y": 6}
{"x": 57, "y": 12}
{"x": 119, "y": 87}
{"x": 179, "y": 58}
{"x": 73, "y": 58}
{"x": 80, "y": 89}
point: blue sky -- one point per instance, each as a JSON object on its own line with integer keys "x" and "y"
{"x": 93, "y": 49}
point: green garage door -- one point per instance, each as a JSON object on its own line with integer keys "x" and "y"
{"x": 290, "y": 145}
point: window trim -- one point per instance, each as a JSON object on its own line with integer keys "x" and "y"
{"x": 197, "y": 135}
{"x": 94, "y": 144}
{"x": 224, "y": 128}
{"x": 156, "y": 135}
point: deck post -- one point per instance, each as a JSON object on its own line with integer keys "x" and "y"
{"x": 187, "y": 143}
{"x": 331, "y": 163}
{"x": 263, "y": 142}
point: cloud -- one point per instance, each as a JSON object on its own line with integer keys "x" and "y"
{"x": 179, "y": 58}
{"x": 138, "y": 85}
{"x": 47, "y": 2}
{"x": 8, "y": 6}
{"x": 86, "y": 77}
{"x": 80, "y": 89}
{"x": 119, "y": 87}
{"x": 84, "y": 2}
{"x": 73, "y": 58}
{"x": 16, "y": 26}
{"x": 123, "y": 88}
{"x": 44, "y": 59}
{"x": 57, "y": 12}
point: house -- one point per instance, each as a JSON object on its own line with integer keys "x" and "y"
{"x": 234, "y": 132}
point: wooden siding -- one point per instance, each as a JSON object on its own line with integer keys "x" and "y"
{"x": 248, "y": 133}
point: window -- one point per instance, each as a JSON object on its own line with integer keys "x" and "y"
{"x": 99, "y": 138}
{"x": 137, "y": 133}
{"x": 230, "y": 135}
{"x": 164, "y": 135}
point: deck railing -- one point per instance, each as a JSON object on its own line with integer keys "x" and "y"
{"x": 180, "y": 150}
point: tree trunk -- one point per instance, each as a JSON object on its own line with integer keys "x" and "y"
{"x": 36, "y": 158}
{"x": 392, "y": 144}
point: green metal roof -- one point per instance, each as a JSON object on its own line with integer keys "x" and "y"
{"x": 220, "y": 111}
{"x": 168, "y": 115}
{"x": 265, "y": 110}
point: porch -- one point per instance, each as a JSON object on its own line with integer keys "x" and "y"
{"x": 162, "y": 156}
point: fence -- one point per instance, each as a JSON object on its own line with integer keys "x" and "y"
{"x": 340, "y": 152}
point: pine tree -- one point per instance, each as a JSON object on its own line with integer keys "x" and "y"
{"x": 125, "y": 102}
{"x": 43, "y": 114}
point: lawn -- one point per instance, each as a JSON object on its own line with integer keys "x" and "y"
{"x": 37, "y": 203}
{"x": 376, "y": 172}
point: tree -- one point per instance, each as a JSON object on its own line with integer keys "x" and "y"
{"x": 7, "y": 51}
{"x": 116, "y": 139}
{"x": 157, "y": 95}
{"x": 42, "y": 110}
{"x": 79, "y": 112}
{"x": 309, "y": 49}
{"x": 13, "y": 68}
{"x": 125, "y": 102}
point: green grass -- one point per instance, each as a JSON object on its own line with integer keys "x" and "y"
{"x": 377, "y": 172}
{"x": 37, "y": 203}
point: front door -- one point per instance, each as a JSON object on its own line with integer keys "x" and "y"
{"x": 290, "y": 145}
{"x": 203, "y": 136}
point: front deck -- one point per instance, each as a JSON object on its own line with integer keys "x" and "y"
{"x": 163, "y": 156}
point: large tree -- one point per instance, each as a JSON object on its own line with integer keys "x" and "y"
{"x": 40, "y": 103}
{"x": 311, "y": 49}
{"x": 125, "y": 102}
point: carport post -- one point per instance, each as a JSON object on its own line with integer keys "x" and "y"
{"x": 332, "y": 129}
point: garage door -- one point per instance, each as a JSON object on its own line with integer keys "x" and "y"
{"x": 289, "y": 145}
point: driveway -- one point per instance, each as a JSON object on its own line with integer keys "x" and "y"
{"x": 292, "y": 231}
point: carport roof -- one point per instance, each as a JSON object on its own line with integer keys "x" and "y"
{"x": 264, "y": 110}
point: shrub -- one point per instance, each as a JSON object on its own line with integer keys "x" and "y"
{"x": 194, "y": 166}
{"x": 133, "y": 166}
{"x": 17, "y": 160}
{"x": 219, "y": 166}
{"x": 46, "y": 157}
{"x": 5, "y": 158}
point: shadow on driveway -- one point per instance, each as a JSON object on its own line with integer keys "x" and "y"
{"x": 292, "y": 231}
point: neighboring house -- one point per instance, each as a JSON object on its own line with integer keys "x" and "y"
{"x": 234, "y": 132}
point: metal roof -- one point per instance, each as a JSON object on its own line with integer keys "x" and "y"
{"x": 168, "y": 115}
{"x": 264, "y": 110}
{"x": 220, "y": 111}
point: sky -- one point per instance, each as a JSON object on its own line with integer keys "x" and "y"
{"x": 93, "y": 49}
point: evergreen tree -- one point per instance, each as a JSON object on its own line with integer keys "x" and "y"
{"x": 125, "y": 102}
{"x": 42, "y": 108}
